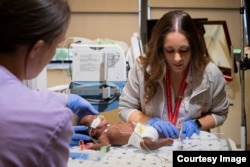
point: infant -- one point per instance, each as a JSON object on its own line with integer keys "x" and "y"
{"x": 136, "y": 134}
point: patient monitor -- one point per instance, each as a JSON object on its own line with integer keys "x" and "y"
{"x": 98, "y": 74}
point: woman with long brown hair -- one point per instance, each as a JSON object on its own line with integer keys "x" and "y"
{"x": 174, "y": 84}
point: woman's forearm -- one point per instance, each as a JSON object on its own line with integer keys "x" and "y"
{"x": 138, "y": 116}
{"x": 207, "y": 122}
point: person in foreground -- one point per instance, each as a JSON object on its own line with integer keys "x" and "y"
{"x": 35, "y": 125}
{"x": 174, "y": 87}
{"x": 118, "y": 134}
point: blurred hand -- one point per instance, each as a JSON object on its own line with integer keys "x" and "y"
{"x": 80, "y": 106}
{"x": 188, "y": 128}
{"x": 164, "y": 127}
{"x": 75, "y": 140}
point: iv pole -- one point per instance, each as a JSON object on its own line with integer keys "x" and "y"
{"x": 243, "y": 67}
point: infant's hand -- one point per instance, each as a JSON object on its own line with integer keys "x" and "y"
{"x": 169, "y": 141}
{"x": 89, "y": 145}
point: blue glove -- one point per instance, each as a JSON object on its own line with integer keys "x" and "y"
{"x": 75, "y": 140}
{"x": 80, "y": 106}
{"x": 164, "y": 127}
{"x": 188, "y": 128}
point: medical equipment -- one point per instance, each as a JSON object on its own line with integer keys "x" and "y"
{"x": 135, "y": 50}
{"x": 141, "y": 131}
{"x": 98, "y": 74}
{"x": 243, "y": 67}
{"x": 180, "y": 146}
{"x": 95, "y": 123}
{"x": 86, "y": 154}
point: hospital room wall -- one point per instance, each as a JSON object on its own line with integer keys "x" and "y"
{"x": 118, "y": 20}
{"x": 111, "y": 19}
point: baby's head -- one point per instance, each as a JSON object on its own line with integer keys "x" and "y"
{"x": 95, "y": 123}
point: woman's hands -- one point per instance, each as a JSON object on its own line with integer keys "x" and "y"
{"x": 80, "y": 106}
{"x": 188, "y": 128}
{"x": 170, "y": 130}
{"x": 165, "y": 127}
{"x": 77, "y": 137}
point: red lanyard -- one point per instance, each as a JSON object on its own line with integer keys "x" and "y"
{"x": 172, "y": 115}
